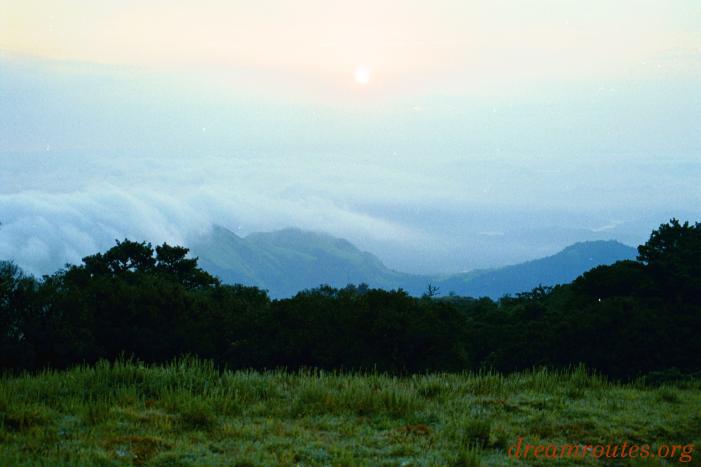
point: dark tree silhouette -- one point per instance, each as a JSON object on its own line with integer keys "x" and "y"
{"x": 624, "y": 320}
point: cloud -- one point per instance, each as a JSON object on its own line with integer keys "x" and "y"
{"x": 420, "y": 217}
{"x": 128, "y": 158}
{"x": 42, "y": 230}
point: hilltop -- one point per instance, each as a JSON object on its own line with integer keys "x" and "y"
{"x": 289, "y": 260}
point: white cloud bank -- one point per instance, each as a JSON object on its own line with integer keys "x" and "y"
{"x": 42, "y": 230}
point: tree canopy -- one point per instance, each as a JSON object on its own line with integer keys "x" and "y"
{"x": 625, "y": 320}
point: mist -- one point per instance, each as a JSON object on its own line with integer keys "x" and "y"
{"x": 431, "y": 181}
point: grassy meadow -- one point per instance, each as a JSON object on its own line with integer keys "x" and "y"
{"x": 188, "y": 413}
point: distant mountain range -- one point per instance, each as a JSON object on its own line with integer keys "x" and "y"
{"x": 287, "y": 261}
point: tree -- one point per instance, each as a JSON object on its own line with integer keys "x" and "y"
{"x": 133, "y": 257}
{"x": 673, "y": 257}
{"x": 16, "y": 292}
{"x": 431, "y": 291}
{"x": 9, "y": 278}
{"x": 671, "y": 243}
{"x": 126, "y": 256}
{"x": 172, "y": 260}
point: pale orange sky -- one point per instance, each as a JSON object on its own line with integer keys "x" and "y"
{"x": 406, "y": 44}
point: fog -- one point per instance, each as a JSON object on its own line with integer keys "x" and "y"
{"x": 439, "y": 181}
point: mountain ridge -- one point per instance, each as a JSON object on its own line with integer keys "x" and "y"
{"x": 289, "y": 260}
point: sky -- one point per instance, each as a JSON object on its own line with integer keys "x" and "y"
{"x": 441, "y": 136}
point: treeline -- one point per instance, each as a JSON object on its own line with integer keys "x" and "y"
{"x": 624, "y": 320}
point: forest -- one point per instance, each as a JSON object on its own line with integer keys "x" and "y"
{"x": 628, "y": 320}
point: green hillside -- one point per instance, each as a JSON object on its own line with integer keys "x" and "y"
{"x": 560, "y": 268}
{"x": 187, "y": 413}
{"x": 287, "y": 261}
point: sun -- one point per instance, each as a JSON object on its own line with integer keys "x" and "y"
{"x": 362, "y": 75}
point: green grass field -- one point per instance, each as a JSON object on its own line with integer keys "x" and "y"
{"x": 187, "y": 413}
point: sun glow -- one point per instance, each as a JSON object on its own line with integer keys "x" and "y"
{"x": 362, "y": 75}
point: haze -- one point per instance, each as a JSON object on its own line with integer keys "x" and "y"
{"x": 481, "y": 133}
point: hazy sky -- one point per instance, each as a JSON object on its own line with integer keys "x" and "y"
{"x": 440, "y": 135}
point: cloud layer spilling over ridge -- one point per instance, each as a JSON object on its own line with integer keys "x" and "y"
{"x": 43, "y": 229}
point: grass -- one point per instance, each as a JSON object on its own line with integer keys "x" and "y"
{"x": 188, "y": 413}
